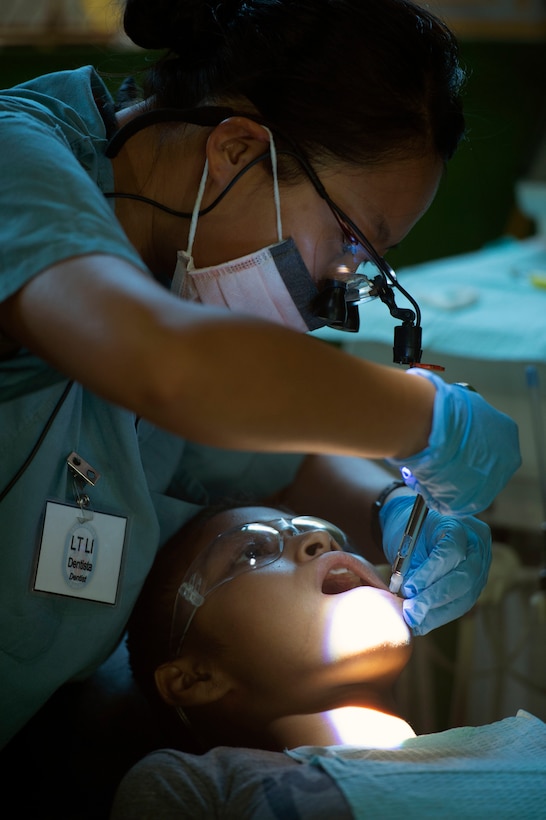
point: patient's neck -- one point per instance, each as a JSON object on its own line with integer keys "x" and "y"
{"x": 351, "y": 725}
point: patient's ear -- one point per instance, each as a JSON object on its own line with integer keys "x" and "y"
{"x": 190, "y": 682}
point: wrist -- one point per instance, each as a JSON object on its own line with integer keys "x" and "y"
{"x": 395, "y": 488}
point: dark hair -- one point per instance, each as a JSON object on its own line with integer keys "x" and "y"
{"x": 361, "y": 81}
{"x": 150, "y": 621}
{"x": 148, "y": 634}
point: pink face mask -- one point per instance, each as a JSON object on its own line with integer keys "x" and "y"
{"x": 272, "y": 283}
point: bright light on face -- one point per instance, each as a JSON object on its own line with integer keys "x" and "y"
{"x": 364, "y": 619}
{"x": 352, "y": 723}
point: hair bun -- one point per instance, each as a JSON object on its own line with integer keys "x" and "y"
{"x": 145, "y": 23}
{"x": 176, "y": 24}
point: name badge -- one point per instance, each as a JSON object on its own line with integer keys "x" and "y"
{"x": 80, "y": 554}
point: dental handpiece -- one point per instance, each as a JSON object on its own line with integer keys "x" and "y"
{"x": 407, "y": 545}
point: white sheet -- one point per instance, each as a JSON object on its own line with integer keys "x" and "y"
{"x": 498, "y": 770}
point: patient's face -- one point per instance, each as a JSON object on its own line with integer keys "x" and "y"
{"x": 308, "y": 628}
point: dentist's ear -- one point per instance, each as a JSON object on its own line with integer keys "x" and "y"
{"x": 187, "y": 682}
{"x": 232, "y": 145}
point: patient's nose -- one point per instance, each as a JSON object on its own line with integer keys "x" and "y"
{"x": 309, "y": 545}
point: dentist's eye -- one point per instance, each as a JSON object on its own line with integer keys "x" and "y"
{"x": 351, "y": 247}
{"x": 359, "y": 256}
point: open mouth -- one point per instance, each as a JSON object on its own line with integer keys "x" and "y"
{"x": 340, "y": 579}
{"x": 341, "y": 571}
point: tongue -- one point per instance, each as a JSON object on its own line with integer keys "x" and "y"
{"x": 336, "y": 582}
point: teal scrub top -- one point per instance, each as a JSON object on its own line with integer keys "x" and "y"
{"x": 53, "y": 132}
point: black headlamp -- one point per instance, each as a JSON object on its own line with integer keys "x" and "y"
{"x": 337, "y": 306}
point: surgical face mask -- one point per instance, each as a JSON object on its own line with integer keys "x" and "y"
{"x": 272, "y": 283}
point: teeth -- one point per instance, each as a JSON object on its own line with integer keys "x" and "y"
{"x": 340, "y": 579}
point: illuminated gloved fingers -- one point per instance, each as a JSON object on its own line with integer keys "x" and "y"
{"x": 472, "y": 452}
{"x": 449, "y": 565}
{"x": 444, "y": 601}
{"x": 448, "y": 552}
{"x": 437, "y": 529}
{"x": 431, "y": 603}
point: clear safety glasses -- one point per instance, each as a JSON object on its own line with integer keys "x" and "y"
{"x": 234, "y": 552}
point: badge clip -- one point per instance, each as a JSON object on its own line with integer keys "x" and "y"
{"x": 84, "y": 475}
{"x": 82, "y": 469}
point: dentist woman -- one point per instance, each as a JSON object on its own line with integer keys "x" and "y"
{"x": 160, "y": 266}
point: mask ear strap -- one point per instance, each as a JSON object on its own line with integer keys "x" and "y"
{"x": 276, "y": 194}
{"x": 197, "y": 208}
{"x": 201, "y": 191}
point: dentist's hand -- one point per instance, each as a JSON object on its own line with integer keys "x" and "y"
{"x": 449, "y": 565}
{"x": 472, "y": 451}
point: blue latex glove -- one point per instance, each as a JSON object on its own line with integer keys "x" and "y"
{"x": 472, "y": 451}
{"x": 448, "y": 568}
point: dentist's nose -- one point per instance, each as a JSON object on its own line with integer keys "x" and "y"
{"x": 309, "y": 545}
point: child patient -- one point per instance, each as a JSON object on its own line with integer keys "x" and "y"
{"x": 261, "y": 630}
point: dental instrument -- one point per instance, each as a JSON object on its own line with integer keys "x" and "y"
{"x": 407, "y": 545}
{"x": 414, "y": 526}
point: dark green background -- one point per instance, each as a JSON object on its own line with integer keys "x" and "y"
{"x": 505, "y": 103}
